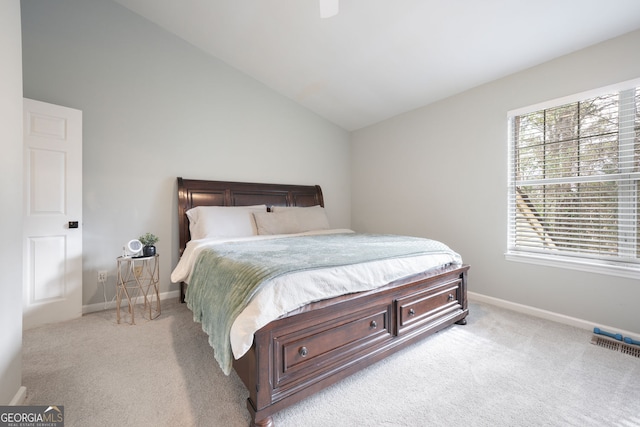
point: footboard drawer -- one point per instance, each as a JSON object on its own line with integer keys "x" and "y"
{"x": 428, "y": 306}
{"x": 311, "y": 353}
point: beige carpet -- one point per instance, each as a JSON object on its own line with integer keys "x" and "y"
{"x": 502, "y": 369}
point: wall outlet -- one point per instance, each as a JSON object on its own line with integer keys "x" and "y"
{"x": 102, "y": 276}
{"x": 137, "y": 270}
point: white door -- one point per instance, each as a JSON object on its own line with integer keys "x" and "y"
{"x": 52, "y": 244}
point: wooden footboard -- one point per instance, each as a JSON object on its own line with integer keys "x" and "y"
{"x": 304, "y": 352}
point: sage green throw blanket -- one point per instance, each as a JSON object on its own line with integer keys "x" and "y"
{"x": 227, "y": 275}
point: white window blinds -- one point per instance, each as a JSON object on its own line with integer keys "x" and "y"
{"x": 573, "y": 180}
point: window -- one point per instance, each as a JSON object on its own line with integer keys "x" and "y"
{"x": 573, "y": 182}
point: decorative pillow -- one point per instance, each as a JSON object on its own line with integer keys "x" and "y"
{"x": 289, "y": 220}
{"x": 223, "y": 221}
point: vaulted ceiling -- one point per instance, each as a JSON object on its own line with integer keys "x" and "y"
{"x": 379, "y": 58}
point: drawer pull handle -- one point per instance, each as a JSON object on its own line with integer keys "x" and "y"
{"x": 373, "y": 324}
{"x": 412, "y": 312}
{"x": 303, "y": 351}
{"x": 451, "y": 297}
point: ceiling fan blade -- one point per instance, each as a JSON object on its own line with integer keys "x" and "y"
{"x": 329, "y": 8}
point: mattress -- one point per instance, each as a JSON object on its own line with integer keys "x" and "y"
{"x": 283, "y": 293}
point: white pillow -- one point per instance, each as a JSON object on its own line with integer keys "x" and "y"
{"x": 289, "y": 220}
{"x": 223, "y": 221}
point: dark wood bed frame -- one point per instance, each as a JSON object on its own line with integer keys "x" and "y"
{"x": 319, "y": 344}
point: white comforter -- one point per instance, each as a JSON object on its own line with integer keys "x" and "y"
{"x": 284, "y": 294}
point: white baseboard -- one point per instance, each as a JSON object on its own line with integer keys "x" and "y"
{"x": 520, "y": 308}
{"x": 91, "y": 308}
{"x": 20, "y": 397}
{"x": 548, "y": 315}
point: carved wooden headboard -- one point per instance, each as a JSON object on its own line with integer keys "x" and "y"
{"x": 192, "y": 193}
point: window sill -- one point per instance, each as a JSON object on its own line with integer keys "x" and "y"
{"x": 591, "y": 266}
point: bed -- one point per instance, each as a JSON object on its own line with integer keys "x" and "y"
{"x": 321, "y": 342}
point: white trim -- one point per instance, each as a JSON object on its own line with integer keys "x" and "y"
{"x": 547, "y": 315}
{"x": 92, "y": 308}
{"x": 590, "y": 266}
{"x": 617, "y": 87}
{"x": 20, "y": 397}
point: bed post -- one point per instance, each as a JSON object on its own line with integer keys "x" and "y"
{"x": 463, "y": 297}
{"x": 183, "y": 226}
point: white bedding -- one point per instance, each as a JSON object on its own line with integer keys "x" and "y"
{"x": 284, "y": 293}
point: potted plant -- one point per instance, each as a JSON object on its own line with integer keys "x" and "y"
{"x": 148, "y": 240}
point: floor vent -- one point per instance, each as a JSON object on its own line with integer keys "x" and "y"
{"x": 620, "y": 346}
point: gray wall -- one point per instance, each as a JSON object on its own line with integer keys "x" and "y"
{"x": 11, "y": 206}
{"x": 441, "y": 172}
{"x": 154, "y": 108}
